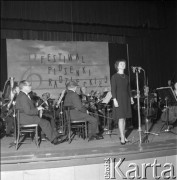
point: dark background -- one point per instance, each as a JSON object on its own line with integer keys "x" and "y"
{"x": 147, "y": 27}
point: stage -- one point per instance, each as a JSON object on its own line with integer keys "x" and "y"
{"x": 86, "y": 160}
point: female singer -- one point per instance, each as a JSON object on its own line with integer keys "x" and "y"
{"x": 122, "y": 99}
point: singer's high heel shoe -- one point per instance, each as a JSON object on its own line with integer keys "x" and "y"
{"x": 122, "y": 143}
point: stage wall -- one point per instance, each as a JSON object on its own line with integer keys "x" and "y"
{"x": 48, "y": 65}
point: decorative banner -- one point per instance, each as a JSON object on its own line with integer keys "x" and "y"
{"x": 48, "y": 65}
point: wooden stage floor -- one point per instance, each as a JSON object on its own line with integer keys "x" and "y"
{"x": 83, "y": 148}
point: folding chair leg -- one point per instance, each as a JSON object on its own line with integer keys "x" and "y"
{"x": 36, "y": 137}
{"x": 69, "y": 136}
{"x": 86, "y": 133}
{"x": 17, "y": 140}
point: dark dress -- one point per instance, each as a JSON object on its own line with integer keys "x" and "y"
{"x": 120, "y": 90}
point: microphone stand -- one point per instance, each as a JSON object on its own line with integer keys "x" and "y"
{"x": 137, "y": 70}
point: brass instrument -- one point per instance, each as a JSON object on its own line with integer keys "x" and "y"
{"x": 8, "y": 97}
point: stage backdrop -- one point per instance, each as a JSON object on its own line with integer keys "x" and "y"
{"x": 48, "y": 65}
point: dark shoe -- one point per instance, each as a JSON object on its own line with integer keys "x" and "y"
{"x": 59, "y": 140}
{"x": 43, "y": 138}
{"x": 122, "y": 143}
{"x": 62, "y": 138}
{"x": 98, "y": 137}
{"x": 55, "y": 141}
{"x": 91, "y": 138}
{"x": 9, "y": 135}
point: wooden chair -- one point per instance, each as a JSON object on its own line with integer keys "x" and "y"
{"x": 23, "y": 130}
{"x": 74, "y": 126}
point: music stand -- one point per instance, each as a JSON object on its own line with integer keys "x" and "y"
{"x": 109, "y": 119}
{"x": 167, "y": 96}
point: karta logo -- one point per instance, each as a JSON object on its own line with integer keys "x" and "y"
{"x": 133, "y": 170}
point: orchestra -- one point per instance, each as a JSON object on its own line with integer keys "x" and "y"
{"x": 95, "y": 102}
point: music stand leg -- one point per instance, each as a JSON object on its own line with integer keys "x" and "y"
{"x": 167, "y": 124}
{"x": 107, "y": 113}
{"x": 147, "y": 128}
{"x": 167, "y": 130}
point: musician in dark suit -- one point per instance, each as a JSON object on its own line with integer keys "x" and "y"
{"x": 29, "y": 113}
{"x": 47, "y": 112}
{"x": 79, "y": 112}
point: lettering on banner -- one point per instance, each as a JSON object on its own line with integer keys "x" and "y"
{"x": 61, "y": 68}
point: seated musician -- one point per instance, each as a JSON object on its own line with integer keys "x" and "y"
{"x": 90, "y": 102}
{"x": 79, "y": 112}
{"x": 47, "y": 112}
{"x": 91, "y": 95}
{"x": 82, "y": 94}
{"x": 29, "y": 113}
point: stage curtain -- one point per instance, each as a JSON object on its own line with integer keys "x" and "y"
{"x": 113, "y": 13}
{"x": 59, "y": 36}
{"x": 3, "y": 64}
{"x": 149, "y": 28}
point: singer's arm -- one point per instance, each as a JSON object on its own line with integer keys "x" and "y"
{"x": 113, "y": 91}
{"x": 130, "y": 94}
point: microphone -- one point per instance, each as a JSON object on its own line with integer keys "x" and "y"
{"x": 134, "y": 68}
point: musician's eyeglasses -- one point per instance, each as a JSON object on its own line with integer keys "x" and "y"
{"x": 28, "y": 85}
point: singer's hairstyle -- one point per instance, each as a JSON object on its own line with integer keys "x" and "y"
{"x": 117, "y": 63}
{"x": 23, "y": 83}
